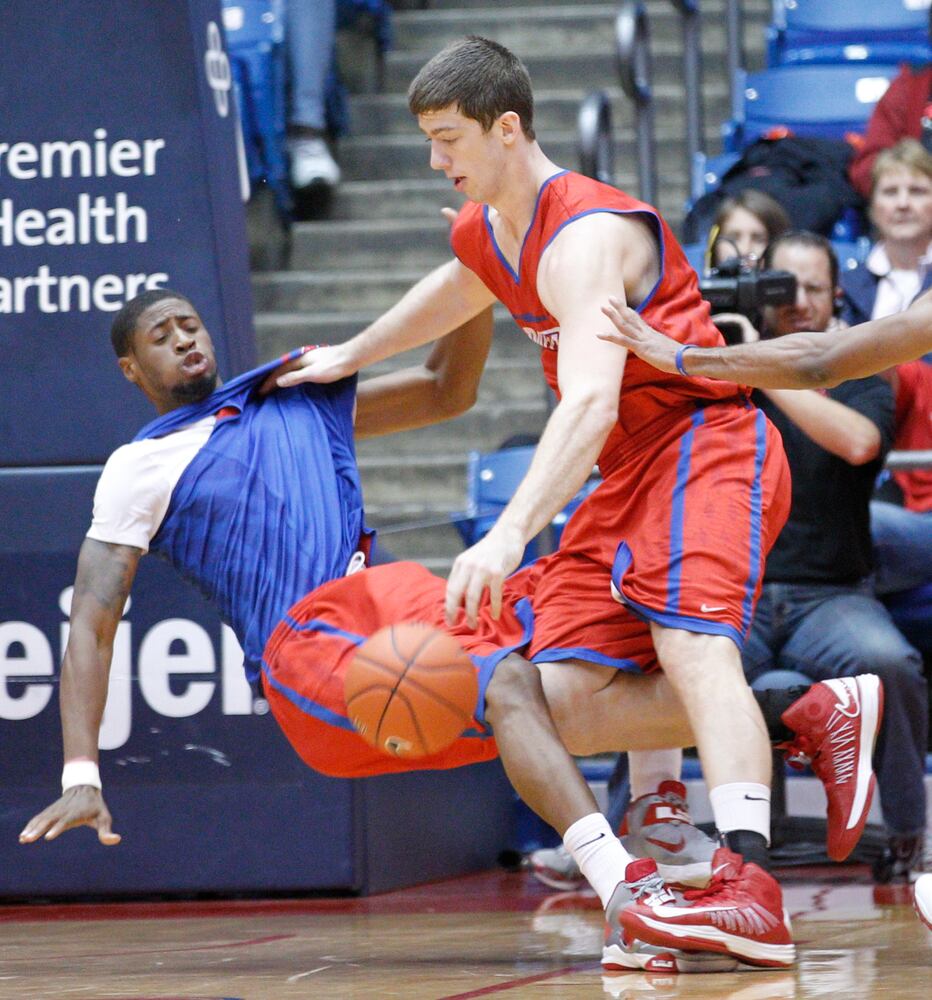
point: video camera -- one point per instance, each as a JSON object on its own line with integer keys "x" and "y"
{"x": 742, "y": 288}
{"x": 737, "y": 287}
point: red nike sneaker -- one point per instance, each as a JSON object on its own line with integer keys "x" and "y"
{"x": 836, "y": 724}
{"x": 739, "y": 914}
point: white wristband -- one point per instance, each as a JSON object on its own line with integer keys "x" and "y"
{"x": 79, "y": 772}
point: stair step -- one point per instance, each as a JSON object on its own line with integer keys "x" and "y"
{"x": 394, "y": 479}
{"x": 554, "y": 110}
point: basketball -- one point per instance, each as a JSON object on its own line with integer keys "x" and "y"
{"x": 411, "y": 690}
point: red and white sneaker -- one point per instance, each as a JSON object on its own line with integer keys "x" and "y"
{"x": 836, "y": 724}
{"x": 922, "y": 898}
{"x": 740, "y": 914}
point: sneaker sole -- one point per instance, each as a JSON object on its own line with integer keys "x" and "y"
{"x": 709, "y": 938}
{"x": 616, "y": 959}
{"x": 870, "y": 698}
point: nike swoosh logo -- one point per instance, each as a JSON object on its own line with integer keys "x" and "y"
{"x": 672, "y": 910}
{"x": 756, "y": 798}
{"x": 707, "y": 609}
{"x": 593, "y": 841}
{"x": 668, "y": 845}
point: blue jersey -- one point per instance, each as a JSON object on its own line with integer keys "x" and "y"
{"x": 270, "y": 507}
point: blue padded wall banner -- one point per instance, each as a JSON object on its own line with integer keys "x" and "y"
{"x": 118, "y": 172}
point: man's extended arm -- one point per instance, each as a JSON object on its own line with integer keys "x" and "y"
{"x": 104, "y": 576}
{"x": 440, "y": 302}
{"x": 794, "y": 361}
{"x": 443, "y": 387}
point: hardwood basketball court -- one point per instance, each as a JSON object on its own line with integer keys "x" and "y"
{"x": 488, "y": 935}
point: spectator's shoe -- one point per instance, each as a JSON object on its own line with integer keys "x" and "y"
{"x": 902, "y": 855}
{"x": 835, "y": 725}
{"x": 922, "y": 899}
{"x": 555, "y": 867}
{"x": 620, "y": 955}
{"x": 311, "y": 163}
{"x": 739, "y": 914}
{"x": 659, "y": 826}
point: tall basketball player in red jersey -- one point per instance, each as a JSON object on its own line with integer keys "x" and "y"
{"x": 669, "y": 549}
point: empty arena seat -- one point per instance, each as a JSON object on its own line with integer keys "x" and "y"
{"x": 865, "y": 31}
{"x": 492, "y": 478}
{"x": 827, "y": 101}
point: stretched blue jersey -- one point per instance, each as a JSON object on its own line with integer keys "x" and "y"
{"x": 270, "y": 507}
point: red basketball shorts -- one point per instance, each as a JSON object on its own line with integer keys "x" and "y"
{"x": 307, "y": 655}
{"x": 678, "y": 531}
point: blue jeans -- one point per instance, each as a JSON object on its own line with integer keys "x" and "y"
{"x": 310, "y": 30}
{"x": 826, "y": 631}
{"x": 902, "y": 547}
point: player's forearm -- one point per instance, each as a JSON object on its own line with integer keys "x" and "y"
{"x": 83, "y": 693}
{"x": 563, "y": 461}
{"x": 426, "y": 312}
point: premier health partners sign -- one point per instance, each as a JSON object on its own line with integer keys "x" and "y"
{"x": 118, "y": 173}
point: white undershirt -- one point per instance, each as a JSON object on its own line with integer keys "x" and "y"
{"x": 896, "y": 288}
{"x": 136, "y": 485}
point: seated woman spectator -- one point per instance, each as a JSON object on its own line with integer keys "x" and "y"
{"x": 744, "y": 225}
{"x": 897, "y": 268}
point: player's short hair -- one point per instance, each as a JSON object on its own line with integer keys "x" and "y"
{"x": 803, "y": 238}
{"x": 908, "y": 153}
{"x": 478, "y": 77}
{"x": 124, "y": 323}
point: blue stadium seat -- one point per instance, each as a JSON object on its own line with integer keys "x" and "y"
{"x": 826, "y": 101}
{"x": 492, "y": 479}
{"x": 850, "y": 253}
{"x": 255, "y": 33}
{"x": 865, "y": 31}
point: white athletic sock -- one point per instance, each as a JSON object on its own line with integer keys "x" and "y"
{"x": 742, "y": 805}
{"x": 647, "y": 768}
{"x": 599, "y": 854}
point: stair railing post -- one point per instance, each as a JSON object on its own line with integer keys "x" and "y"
{"x": 595, "y": 139}
{"x": 734, "y": 55}
{"x": 692, "y": 78}
{"x": 632, "y": 50}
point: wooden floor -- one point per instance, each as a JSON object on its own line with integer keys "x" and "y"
{"x": 487, "y": 935}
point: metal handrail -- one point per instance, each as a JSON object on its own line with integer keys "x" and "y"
{"x": 903, "y": 461}
{"x": 596, "y": 141}
{"x": 734, "y": 52}
{"x": 692, "y": 77}
{"x": 632, "y": 53}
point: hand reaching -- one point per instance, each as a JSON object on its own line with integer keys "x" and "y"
{"x": 82, "y": 805}
{"x": 647, "y": 343}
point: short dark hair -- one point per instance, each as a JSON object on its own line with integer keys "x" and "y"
{"x": 124, "y": 323}
{"x": 803, "y": 238}
{"x": 480, "y": 78}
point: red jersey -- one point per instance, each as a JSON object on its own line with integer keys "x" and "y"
{"x": 673, "y": 306}
{"x": 914, "y": 430}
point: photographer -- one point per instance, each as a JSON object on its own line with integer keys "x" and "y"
{"x": 817, "y": 613}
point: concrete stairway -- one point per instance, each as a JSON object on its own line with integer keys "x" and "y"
{"x": 385, "y": 230}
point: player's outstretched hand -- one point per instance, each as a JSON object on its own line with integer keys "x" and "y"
{"x": 320, "y": 364}
{"x": 82, "y": 805}
{"x": 647, "y": 343}
{"x": 483, "y": 567}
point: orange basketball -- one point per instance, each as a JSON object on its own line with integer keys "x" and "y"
{"x": 411, "y": 690}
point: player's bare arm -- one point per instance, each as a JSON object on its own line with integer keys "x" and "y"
{"x": 589, "y": 257}
{"x": 795, "y": 361}
{"x": 102, "y": 584}
{"x": 445, "y": 386}
{"x": 439, "y": 303}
